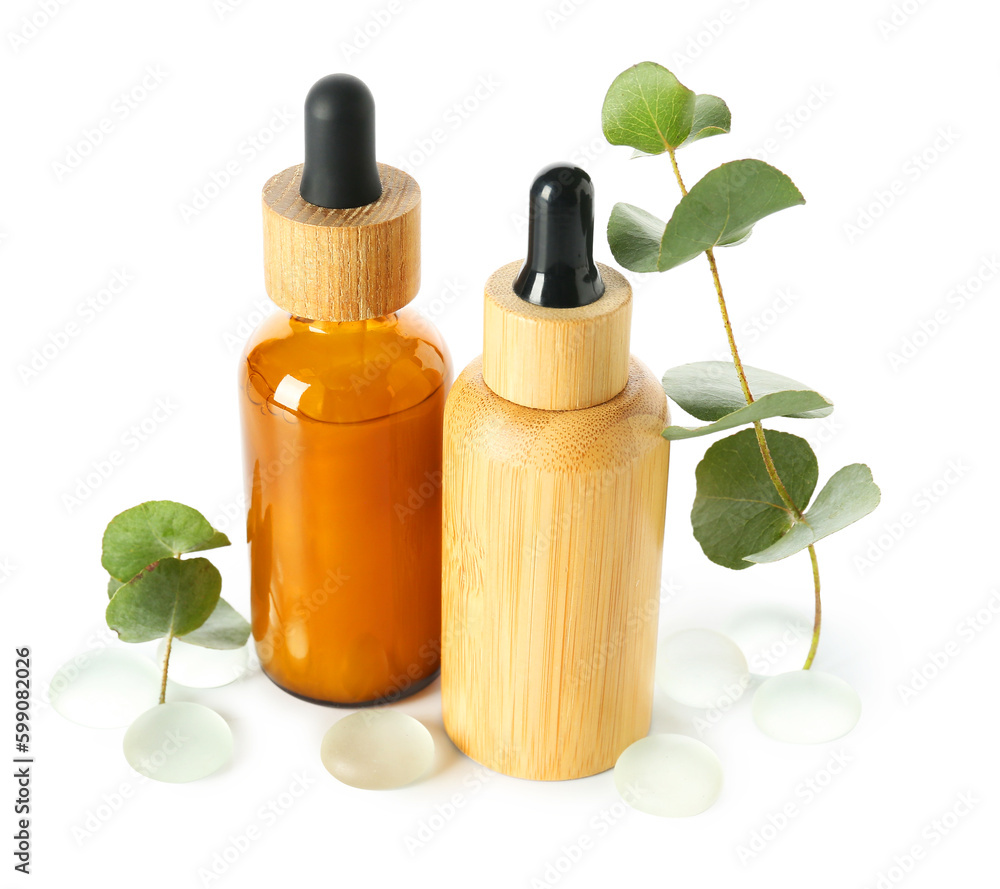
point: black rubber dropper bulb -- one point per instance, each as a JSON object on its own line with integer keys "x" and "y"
{"x": 559, "y": 271}
{"x": 339, "y": 169}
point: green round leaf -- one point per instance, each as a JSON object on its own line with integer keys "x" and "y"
{"x": 849, "y": 495}
{"x": 634, "y": 237}
{"x": 722, "y": 208}
{"x": 711, "y": 118}
{"x": 710, "y": 390}
{"x": 648, "y": 108}
{"x": 777, "y": 404}
{"x": 170, "y": 596}
{"x": 155, "y": 530}
{"x": 736, "y": 509}
{"x": 225, "y": 628}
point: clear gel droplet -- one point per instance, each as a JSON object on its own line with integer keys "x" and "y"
{"x": 806, "y": 707}
{"x": 178, "y": 742}
{"x": 377, "y": 750}
{"x": 197, "y": 667}
{"x": 670, "y": 775}
{"x": 105, "y": 688}
{"x": 701, "y": 668}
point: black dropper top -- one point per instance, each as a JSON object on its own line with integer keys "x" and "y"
{"x": 559, "y": 271}
{"x": 340, "y": 169}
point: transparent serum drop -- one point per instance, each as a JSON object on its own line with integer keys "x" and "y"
{"x": 701, "y": 668}
{"x": 178, "y": 742}
{"x": 669, "y": 775}
{"x": 197, "y": 667}
{"x": 806, "y": 707}
{"x": 107, "y": 688}
{"x": 377, "y": 750}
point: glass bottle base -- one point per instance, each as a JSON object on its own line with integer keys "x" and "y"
{"x": 390, "y": 698}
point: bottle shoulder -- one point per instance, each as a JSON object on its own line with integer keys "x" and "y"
{"x": 345, "y": 371}
{"x": 603, "y": 436}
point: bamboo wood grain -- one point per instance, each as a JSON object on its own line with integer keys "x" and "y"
{"x": 342, "y": 265}
{"x": 553, "y": 539}
{"x": 556, "y": 359}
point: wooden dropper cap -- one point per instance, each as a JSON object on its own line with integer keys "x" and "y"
{"x": 556, "y": 327}
{"x": 341, "y": 231}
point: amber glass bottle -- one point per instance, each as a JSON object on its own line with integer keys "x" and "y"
{"x": 342, "y": 398}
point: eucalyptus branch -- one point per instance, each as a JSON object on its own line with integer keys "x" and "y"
{"x": 765, "y": 451}
{"x": 155, "y": 593}
{"x": 734, "y": 518}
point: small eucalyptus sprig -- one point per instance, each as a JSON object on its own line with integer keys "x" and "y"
{"x": 155, "y": 593}
{"x": 754, "y": 487}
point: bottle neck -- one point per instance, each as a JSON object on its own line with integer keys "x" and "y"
{"x": 382, "y": 322}
{"x": 556, "y": 359}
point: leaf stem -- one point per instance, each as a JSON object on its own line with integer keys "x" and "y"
{"x": 765, "y": 451}
{"x": 166, "y": 663}
{"x": 772, "y": 472}
{"x": 818, "y": 619}
{"x": 744, "y": 385}
{"x": 677, "y": 171}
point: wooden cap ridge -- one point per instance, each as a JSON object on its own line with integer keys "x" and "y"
{"x": 342, "y": 264}
{"x": 553, "y": 358}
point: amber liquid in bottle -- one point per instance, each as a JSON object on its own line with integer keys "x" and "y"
{"x": 342, "y": 428}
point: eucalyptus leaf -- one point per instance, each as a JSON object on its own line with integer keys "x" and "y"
{"x": 113, "y": 585}
{"x": 225, "y": 628}
{"x": 155, "y": 530}
{"x": 634, "y": 237}
{"x": 170, "y": 596}
{"x": 648, "y": 108}
{"x": 741, "y": 236}
{"x": 711, "y": 118}
{"x": 849, "y": 495}
{"x": 722, "y": 208}
{"x": 218, "y": 539}
{"x": 777, "y": 404}
{"x": 736, "y": 509}
{"x": 710, "y": 390}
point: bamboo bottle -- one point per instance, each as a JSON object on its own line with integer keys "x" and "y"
{"x": 555, "y": 477}
{"x": 342, "y": 398}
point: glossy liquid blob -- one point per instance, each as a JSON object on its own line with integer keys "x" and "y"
{"x": 806, "y": 707}
{"x": 178, "y": 742}
{"x": 670, "y": 775}
{"x": 106, "y": 688}
{"x": 342, "y": 432}
{"x": 377, "y": 750}
{"x": 701, "y": 668}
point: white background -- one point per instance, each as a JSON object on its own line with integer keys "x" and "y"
{"x": 846, "y": 98}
